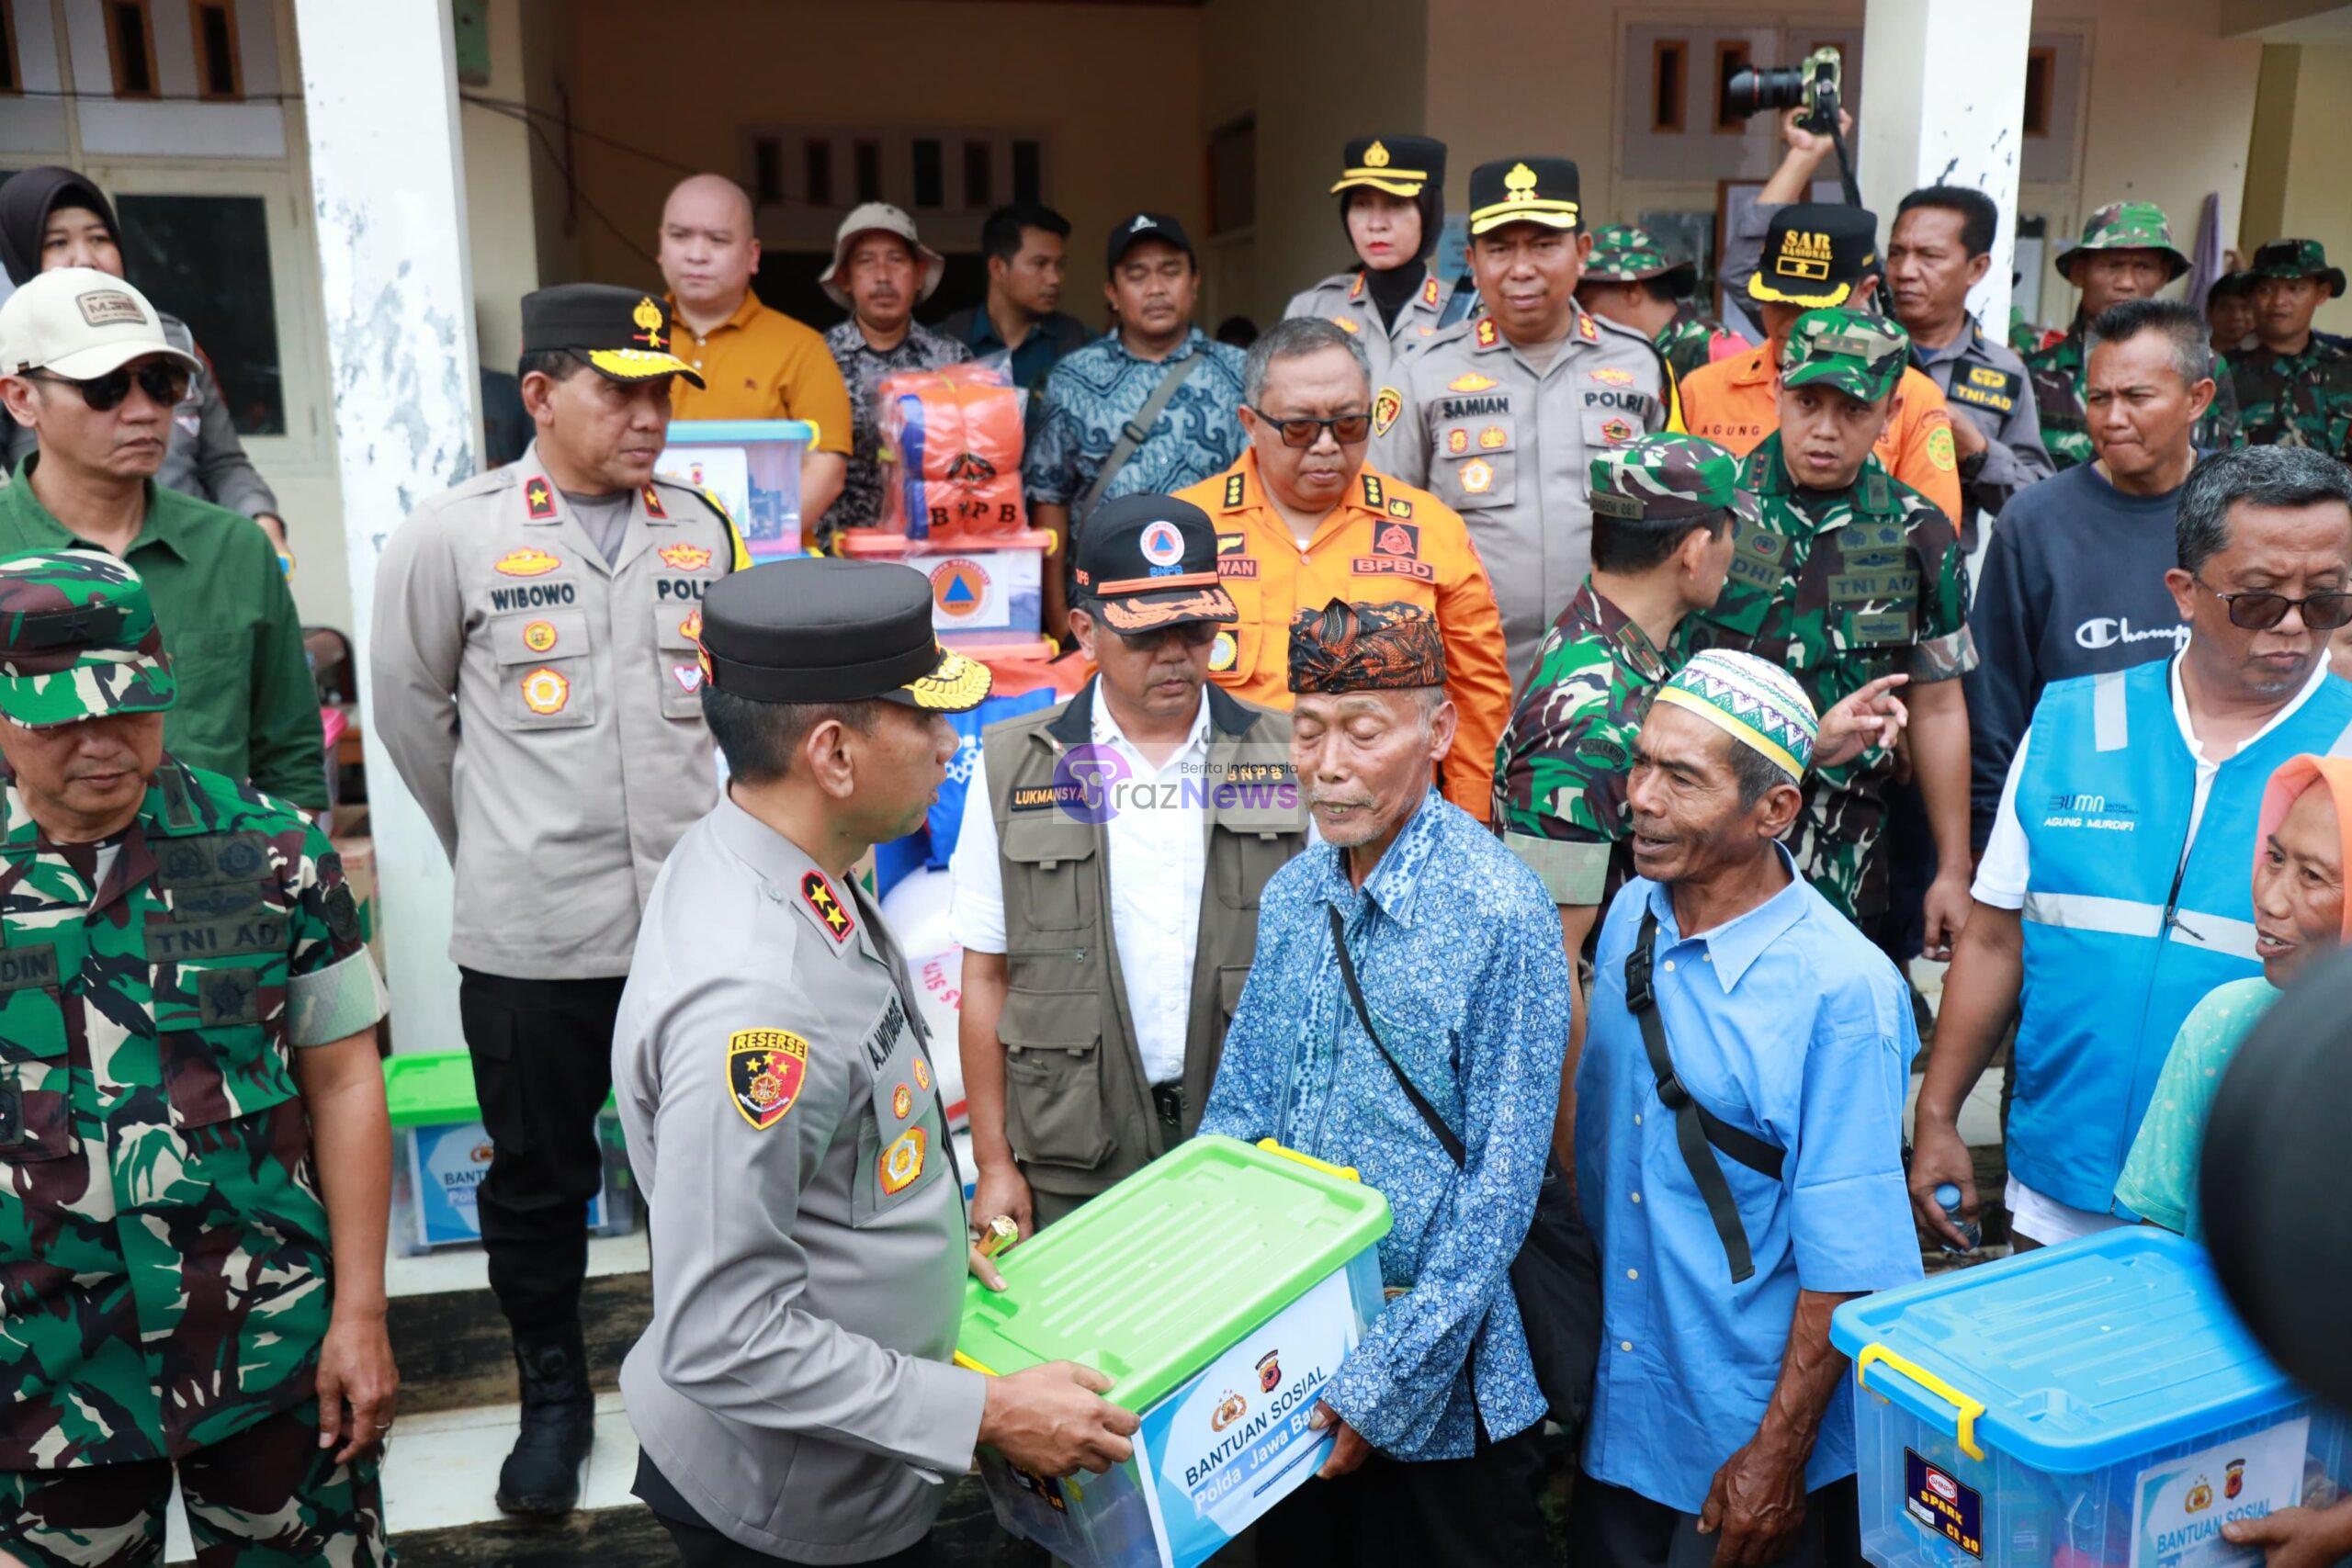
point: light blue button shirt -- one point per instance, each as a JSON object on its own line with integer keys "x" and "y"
{"x": 1788, "y": 1024}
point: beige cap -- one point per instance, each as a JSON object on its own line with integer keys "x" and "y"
{"x": 80, "y": 324}
{"x": 880, "y": 217}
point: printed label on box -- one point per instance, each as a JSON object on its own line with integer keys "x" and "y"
{"x": 2179, "y": 1506}
{"x": 447, "y": 1164}
{"x": 1940, "y": 1505}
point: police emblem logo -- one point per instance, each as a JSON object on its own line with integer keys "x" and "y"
{"x": 902, "y": 1102}
{"x": 1477, "y": 476}
{"x": 1400, "y": 507}
{"x": 1385, "y": 407}
{"x": 922, "y": 1075}
{"x": 684, "y": 557}
{"x": 653, "y": 506}
{"x": 648, "y": 317}
{"x": 539, "y": 499}
{"x": 1457, "y": 441}
{"x": 1494, "y": 438}
{"x": 545, "y": 691}
{"x": 1610, "y": 375}
{"x": 690, "y": 627}
{"x": 1231, "y": 1407}
{"x": 1469, "y": 381}
{"x": 1345, "y": 325}
{"x": 539, "y": 636}
{"x": 1519, "y": 184}
{"x": 1161, "y": 544}
{"x": 1376, "y": 156}
{"x": 818, "y": 894}
{"x": 1400, "y": 539}
{"x": 1222, "y": 650}
{"x": 525, "y": 562}
{"x": 902, "y": 1161}
{"x": 1269, "y": 1371}
{"x": 765, "y": 1068}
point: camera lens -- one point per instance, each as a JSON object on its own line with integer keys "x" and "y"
{"x": 1752, "y": 91}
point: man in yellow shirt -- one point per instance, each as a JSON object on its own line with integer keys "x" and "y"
{"x": 1301, "y": 521}
{"x": 755, "y": 363}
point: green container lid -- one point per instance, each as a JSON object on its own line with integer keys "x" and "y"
{"x": 434, "y": 1089}
{"x": 1150, "y": 1281}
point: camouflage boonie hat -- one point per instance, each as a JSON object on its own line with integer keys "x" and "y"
{"x": 2126, "y": 226}
{"x": 1664, "y": 478}
{"x": 2298, "y": 258}
{"x": 78, "y": 641}
{"x": 1624, "y": 253}
{"x": 1852, "y": 352}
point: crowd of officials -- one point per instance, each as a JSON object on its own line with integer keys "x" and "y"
{"x": 1522, "y": 733}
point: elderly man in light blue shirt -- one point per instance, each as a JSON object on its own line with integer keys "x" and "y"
{"x": 1739, "y": 1133}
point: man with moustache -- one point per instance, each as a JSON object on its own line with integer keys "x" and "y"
{"x": 535, "y": 683}
{"x": 2295, "y": 385}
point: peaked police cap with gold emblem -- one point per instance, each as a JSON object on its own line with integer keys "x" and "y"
{"x": 812, "y": 630}
{"x": 1400, "y": 165}
{"x": 623, "y": 333}
{"x": 1525, "y": 190}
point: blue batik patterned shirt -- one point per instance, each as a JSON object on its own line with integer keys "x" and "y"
{"x": 1458, "y": 949}
{"x": 1096, "y": 389}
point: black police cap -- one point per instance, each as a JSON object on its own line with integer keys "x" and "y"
{"x": 623, "y": 333}
{"x": 1525, "y": 190}
{"x": 1132, "y": 230}
{"x": 1815, "y": 253}
{"x": 1151, "y": 562}
{"x": 1400, "y": 165}
{"x": 811, "y": 630}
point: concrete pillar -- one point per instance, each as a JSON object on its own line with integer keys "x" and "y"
{"x": 388, "y": 187}
{"x": 1945, "y": 105}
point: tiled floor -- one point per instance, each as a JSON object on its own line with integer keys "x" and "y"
{"x": 468, "y": 1269}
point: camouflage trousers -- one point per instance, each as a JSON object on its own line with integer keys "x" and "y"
{"x": 268, "y": 1497}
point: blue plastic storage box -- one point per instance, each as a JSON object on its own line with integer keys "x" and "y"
{"x": 2091, "y": 1405}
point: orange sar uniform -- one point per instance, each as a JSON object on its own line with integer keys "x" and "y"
{"x": 1735, "y": 404}
{"x": 1384, "y": 542}
{"x": 760, "y": 363}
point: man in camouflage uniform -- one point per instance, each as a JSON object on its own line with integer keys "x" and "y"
{"x": 2295, "y": 388}
{"x": 191, "y": 1121}
{"x": 1848, "y": 575}
{"x": 1632, "y": 281}
{"x": 2126, "y": 253}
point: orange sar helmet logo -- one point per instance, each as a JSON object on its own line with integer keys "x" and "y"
{"x": 525, "y": 562}
{"x": 684, "y": 557}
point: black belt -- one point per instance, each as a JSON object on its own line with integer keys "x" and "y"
{"x": 1168, "y": 1098}
{"x": 1695, "y": 1127}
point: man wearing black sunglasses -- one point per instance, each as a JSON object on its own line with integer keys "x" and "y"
{"x": 87, "y": 368}
{"x": 2112, "y": 894}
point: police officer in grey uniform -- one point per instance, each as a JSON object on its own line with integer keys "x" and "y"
{"x": 1499, "y": 416}
{"x": 1391, "y": 203}
{"x": 793, "y": 1397}
{"x": 535, "y": 683}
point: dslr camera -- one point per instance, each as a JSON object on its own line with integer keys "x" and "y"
{"x": 1811, "y": 86}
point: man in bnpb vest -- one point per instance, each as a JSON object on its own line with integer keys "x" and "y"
{"x": 2114, "y": 892}
{"x": 1391, "y": 203}
{"x": 1106, "y": 878}
{"x": 536, "y": 685}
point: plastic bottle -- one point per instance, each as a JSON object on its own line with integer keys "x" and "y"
{"x": 1948, "y": 1199}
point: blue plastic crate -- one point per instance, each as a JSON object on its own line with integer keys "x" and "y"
{"x": 2091, "y": 1405}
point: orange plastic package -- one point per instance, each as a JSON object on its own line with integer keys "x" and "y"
{"x": 951, "y": 439}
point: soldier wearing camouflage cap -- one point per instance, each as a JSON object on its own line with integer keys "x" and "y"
{"x": 1633, "y": 280}
{"x": 1664, "y": 509}
{"x": 1848, "y": 575}
{"x": 191, "y": 1116}
{"x": 2294, "y": 387}
{"x": 2126, "y": 252}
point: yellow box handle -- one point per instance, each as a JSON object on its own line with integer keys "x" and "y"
{"x": 1969, "y": 1409}
{"x": 963, "y": 1360}
{"x": 1344, "y": 1172}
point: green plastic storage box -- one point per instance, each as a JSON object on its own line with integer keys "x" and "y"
{"x": 445, "y": 1153}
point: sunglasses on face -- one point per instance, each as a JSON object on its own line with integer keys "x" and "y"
{"x": 1192, "y": 633}
{"x": 1347, "y": 429}
{"x": 160, "y": 379}
{"x": 2261, "y": 611}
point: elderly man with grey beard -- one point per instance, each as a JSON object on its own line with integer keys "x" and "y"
{"x": 1405, "y": 1016}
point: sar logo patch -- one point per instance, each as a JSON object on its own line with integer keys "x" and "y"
{"x": 539, "y": 636}
{"x": 1469, "y": 381}
{"x": 902, "y": 1161}
{"x": 818, "y": 894}
{"x": 653, "y": 510}
{"x": 1940, "y": 448}
{"x": 765, "y": 1070}
{"x": 902, "y": 1102}
{"x": 539, "y": 498}
{"x": 525, "y": 562}
{"x": 1385, "y": 407}
{"x": 545, "y": 691}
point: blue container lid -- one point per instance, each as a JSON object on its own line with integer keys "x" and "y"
{"x": 2080, "y": 1356}
{"x": 737, "y": 431}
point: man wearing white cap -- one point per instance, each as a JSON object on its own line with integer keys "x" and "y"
{"x": 85, "y": 365}
{"x": 881, "y": 271}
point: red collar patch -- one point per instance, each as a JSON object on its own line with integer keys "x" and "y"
{"x": 1429, "y": 292}
{"x": 818, "y": 895}
{"x": 653, "y": 505}
{"x": 1356, "y": 288}
{"x": 1489, "y": 334}
{"x": 1586, "y": 325}
{"x": 539, "y": 498}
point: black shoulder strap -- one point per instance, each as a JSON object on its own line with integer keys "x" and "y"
{"x": 1695, "y": 1127}
{"x": 1446, "y": 1140}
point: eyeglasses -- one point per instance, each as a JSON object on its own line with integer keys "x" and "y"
{"x": 159, "y": 379}
{"x": 1192, "y": 633}
{"x": 1347, "y": 429}
{"x": 2261, "y": 611}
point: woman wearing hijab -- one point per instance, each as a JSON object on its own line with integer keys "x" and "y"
{"x": 1392, "y": 202}
{"x": 51, "y": 217}
{"x": 2301, "y": 851}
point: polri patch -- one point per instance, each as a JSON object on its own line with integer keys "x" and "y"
{"x": 818, "y": 894}
{"x": 765, "y": 1068}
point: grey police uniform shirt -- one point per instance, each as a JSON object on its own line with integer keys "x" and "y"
{"x": 774, "y": 1082}
{"x": 1344, "y": 298}
{"x": 202, "y": 456}
{"x": 1509, "y": 446}
{"x": 543, "y": 706}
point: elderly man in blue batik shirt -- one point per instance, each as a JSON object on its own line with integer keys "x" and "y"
{"x": 1457, "y": 950}
{"x": 1723, "y": 1425}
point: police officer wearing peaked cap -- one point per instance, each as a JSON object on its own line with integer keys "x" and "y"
{"x": 1392, "y": 204}
{"x": 793, "y": 1397}
{"x": 535, "y": 683}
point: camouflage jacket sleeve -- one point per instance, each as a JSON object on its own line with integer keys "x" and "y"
{"x": 332, "y": 989}
{"x": 1944, "y": 650}
{"x": 1560, "y": 773}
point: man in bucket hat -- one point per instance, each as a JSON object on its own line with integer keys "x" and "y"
{"x": 2294, "y": 387}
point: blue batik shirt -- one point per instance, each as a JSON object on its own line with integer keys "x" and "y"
{"x": 1788, "y": 1024}
{"x": 1457, "y": 946}
{"x": 1097, "y": 389}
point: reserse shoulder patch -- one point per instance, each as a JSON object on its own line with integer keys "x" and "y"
{"x": 765, "y": 1070}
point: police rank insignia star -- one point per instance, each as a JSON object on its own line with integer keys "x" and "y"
{"x": 764, "y": 1071}
{"x": 653, "y": 504}
{"x": 539, "y": 498}
{"x": 818, "y": 895}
